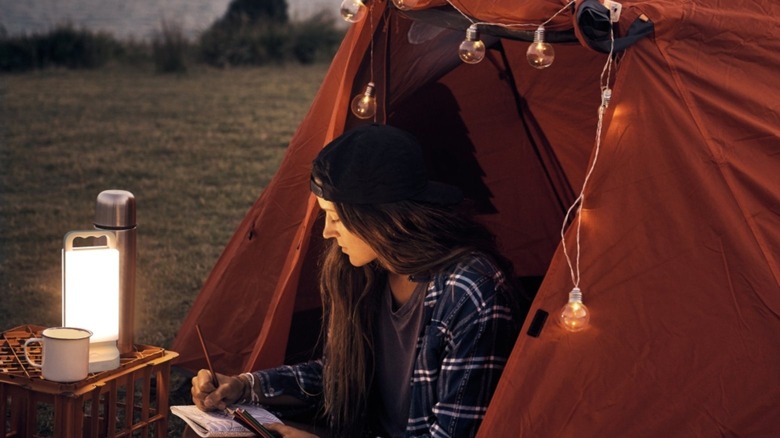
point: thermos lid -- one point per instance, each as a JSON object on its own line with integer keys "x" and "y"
{"x": 115, "y": 209}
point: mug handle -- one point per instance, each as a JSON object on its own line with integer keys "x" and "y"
{"x": 27, "y": 356}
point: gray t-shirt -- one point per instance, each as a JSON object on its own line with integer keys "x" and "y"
{"x": 396, "y": 341}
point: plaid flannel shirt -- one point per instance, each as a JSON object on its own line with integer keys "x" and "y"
{"x": 468, "y": 332}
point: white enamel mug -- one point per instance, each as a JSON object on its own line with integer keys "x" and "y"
{"x": 65, "y": 353}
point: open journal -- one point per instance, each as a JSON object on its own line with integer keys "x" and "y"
{"x": 219, "y": 424}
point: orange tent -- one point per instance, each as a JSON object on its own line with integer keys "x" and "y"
{"x": 676, "y": 246}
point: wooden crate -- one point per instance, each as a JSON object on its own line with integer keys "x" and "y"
{"x": 130, "y": 401}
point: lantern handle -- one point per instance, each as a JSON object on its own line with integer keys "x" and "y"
{"x": 97, "y": 236}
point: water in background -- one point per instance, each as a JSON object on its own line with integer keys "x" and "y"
{"x": 138, "y": 19}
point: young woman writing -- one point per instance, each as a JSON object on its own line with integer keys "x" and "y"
{"x": 419, "y": 310}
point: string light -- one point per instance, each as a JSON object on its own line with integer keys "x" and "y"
{"x": 575, "y": 316}
{"x": 540, "y": 54}
{"x": 364, "y": 105}
{"x": 472, "y": 49}
{"x": 353, "y": 10}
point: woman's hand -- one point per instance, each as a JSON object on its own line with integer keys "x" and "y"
{"x": 286, "y": 431}
{"x": 207, "y": 398}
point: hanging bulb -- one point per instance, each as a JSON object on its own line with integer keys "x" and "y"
{"x": 540, "y": 54}
{"x": 405, "y": 5}
{"x": 574, "y": 316}
{"x": 472, "y": 49}
{"x": 364, "y": 104}
{"x": 353, "y": 10}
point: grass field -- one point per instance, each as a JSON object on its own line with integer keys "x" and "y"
{"x": 195, "y": 150}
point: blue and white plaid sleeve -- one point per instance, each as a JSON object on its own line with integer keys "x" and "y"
{"x": 302, "y": 381}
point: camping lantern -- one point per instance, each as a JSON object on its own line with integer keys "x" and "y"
{"x": 98, "y": 279}
{"x": 90, "y": 293}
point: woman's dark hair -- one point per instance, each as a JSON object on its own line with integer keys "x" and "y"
{"x": 410, "y": 238}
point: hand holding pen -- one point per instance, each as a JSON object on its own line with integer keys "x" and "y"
{"x": 207, "y": 397}
{"x": 217, "y": 391}
{"x": 212, "y": 391}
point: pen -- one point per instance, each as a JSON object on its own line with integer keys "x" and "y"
{"x": 214, "y": 379}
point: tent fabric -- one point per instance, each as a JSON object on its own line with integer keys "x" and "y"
{"x": 680, "y": 247}
{"x": 680, "y": 222}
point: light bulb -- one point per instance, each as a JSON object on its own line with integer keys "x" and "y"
{"x": 540, "y": 54}
{"x": 353, "y": 10}
{"x": 364, "y": 104}
{"x": 574, "y": 316}
{"x": 472, "y": 49}
{"x": 405, "y": 5}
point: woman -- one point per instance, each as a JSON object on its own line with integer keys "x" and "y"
{"x": 418, "y": 309}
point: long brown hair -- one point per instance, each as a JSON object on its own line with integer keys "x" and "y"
{"x": 410, "y": 238}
